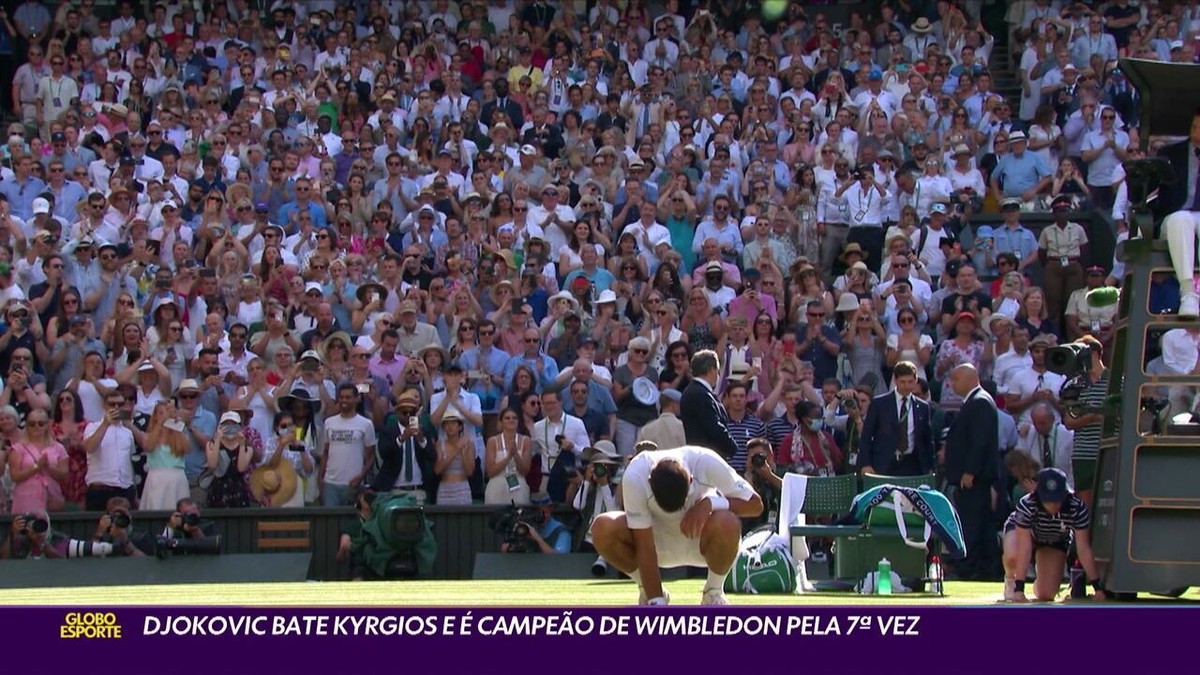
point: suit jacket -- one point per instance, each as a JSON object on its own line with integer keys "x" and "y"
{"x": 881, "y": 434}
{"x": 704, "y": 420}
{"x": 1171, "y": 198}
{"x": 515, "y": 116}
{"x": 973, "y": 443}
{"x": 391, "y": 458}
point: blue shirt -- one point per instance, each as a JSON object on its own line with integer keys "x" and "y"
{"x": 1020, "y": 241}
{"x": 286, "y": 211}
{"x": 195, "y": 461}
{"x": 21, "y": 195}
{"x": 1020, "y": 174}
{"x": 66, "y": 199}
{"x": 496, "y": 361}
{"x": 601, "y": 278}
{"x": 556, "y": 535}
{"x": 545, "y": 378}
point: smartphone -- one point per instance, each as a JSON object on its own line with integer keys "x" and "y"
{"x": 757, "y": 362}
{"x": 414, "y": 421}
{"x": 789, "y": 347}
{"x": 364, "y": 388}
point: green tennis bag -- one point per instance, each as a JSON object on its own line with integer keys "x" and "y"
{"x": 764, "y": 565}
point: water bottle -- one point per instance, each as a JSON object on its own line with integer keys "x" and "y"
{"x": 883, "y": 581}
{"x": 935, "y": 575}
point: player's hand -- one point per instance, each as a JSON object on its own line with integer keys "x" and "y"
{"x": 693, "y": 521}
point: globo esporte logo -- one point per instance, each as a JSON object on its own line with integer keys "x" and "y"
{"x": 89, "y": 626}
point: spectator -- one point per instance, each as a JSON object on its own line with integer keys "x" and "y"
{"x": 37, "y": 466}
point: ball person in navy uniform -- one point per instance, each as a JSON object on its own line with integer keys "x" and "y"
{"x": 1041, "y": 529}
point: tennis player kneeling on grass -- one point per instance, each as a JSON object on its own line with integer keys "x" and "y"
{"x": 1041, "y": 529}
{"x": 683, "y": 507}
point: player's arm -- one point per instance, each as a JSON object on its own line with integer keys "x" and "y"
{"x": 647, "y": 562}
{"x": 746, "y": 508}
{"x": 742, "y": 498}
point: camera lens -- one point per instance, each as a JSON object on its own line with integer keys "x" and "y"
{"x": 600, "y": 471}
{"x": 191, "y": 519}
{"x": 758, "y": 461}
{"x": 121, "y": 520}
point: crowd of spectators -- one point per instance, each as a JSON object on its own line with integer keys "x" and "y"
{"x": 446, "y": 248}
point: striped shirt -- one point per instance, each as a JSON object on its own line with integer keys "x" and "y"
{"x": 778, "y": 429}
{"x": 1048, "y": 529}
{"x": 1087, "y": 438}
{"x": 741, "y": 433}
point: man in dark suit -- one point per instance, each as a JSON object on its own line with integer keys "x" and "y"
{"x": 702, "y": 414}
{"x": 1182, "y": 201}
{"x": 505, "y": 105}
{"x": 972, "y": 467}
{"x": 896, "y": 438}
{"x": 405, "y": 452}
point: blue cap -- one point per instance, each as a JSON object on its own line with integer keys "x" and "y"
{"x": 672, "y": 394}
{"x": 1052, "y": 486}
{"x": 262, "y": 207}
{"x": 875, "y": 74}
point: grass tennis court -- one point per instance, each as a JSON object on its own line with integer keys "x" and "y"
{"x": 533, "y": 592}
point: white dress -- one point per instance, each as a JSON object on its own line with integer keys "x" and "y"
{"x": 497, "y": 490}
{"x": 263, "y": 418}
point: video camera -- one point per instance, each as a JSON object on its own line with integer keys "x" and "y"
{"x": 513, "y": 524}
{"x": 1074, "y": 362}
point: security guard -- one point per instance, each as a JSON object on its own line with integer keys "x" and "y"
{"x": 1060, "y": 247}
{"x": 1041, "y": 530}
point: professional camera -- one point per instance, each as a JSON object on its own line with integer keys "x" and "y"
{"x": 758, "y": 460}
{"x": 34, "y": 523}
{"x": 79, "y": 548}
{"x": 191, "y": 519}
{"x": 1074, "y": 362}
{"x": 600, "y": 470}
{"x": 849, "y": 402}
{"x": 167, "y": 546}
{"x": 513, "y": 524}
{"x": 121, "y": 520}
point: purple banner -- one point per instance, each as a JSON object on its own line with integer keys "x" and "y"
{"x": 179, "y": 640}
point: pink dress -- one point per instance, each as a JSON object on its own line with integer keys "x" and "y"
{"x": 39, "y": 490}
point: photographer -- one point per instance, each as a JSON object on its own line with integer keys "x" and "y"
{"x": 593, "y": 492}
{"x": 351, "y": 541}
{"x": 760, "y": 473}
{"x": 116, "y": 527}
{"x": 30, "y": 537}
{"x": 186, "y": 523}
{"x": 534, "y": 530}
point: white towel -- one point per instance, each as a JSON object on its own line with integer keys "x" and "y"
{"x": 791, "y": 502}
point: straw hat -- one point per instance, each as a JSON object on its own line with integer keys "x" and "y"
{"x": 341, "y": 336}
{"x": 852, "y": 248}
{"x": 435, "y": 348}
{"x": 495, "y": 292}
{"x": 274, "y": 484}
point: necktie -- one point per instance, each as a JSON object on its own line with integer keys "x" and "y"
{"x": 645, "y": 118}
{"x": 1195, "y": 206}
{"x": 409, "y": 459}
{"x": 1047, "y": 456}
{"x": 902, "y": 442}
